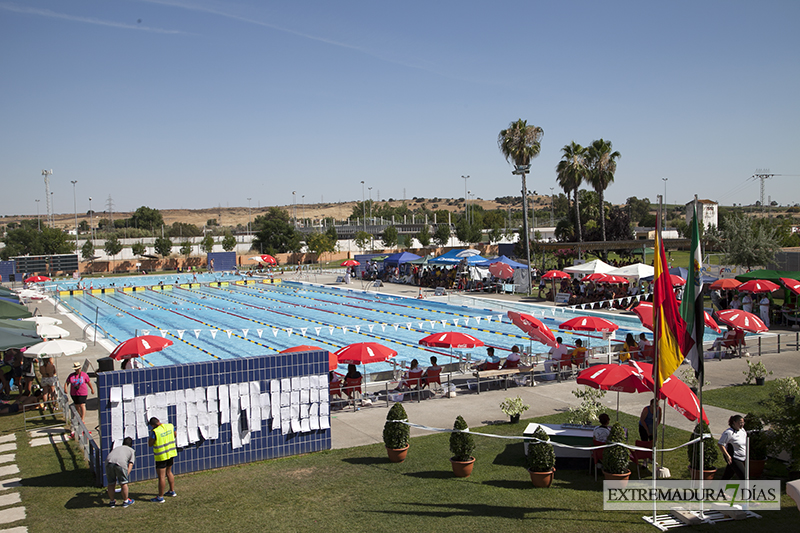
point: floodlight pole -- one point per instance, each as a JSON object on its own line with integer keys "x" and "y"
{"x": 249, "y": 216}
{"x": 47, "y": 198}
{"x": 91, "y": 222}
{"x": 363, "y": 206}
{"x": 522, "y": 170}
{"x": 75, "y": 207}
{"x": 38, "y": 219}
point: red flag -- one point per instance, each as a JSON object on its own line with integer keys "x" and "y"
{"x": 670, "y": 329}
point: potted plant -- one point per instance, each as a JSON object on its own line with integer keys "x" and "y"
{"x": 786, "y": 389}
{"x": 541, "y": 459}
{"x": 616, "y": 459}
{"x": 395, "y": 434}
{"x": 756, "y": 371}
{"x": 710, "y": 453}
{"x": 688, "y": 376}
{"x": 462, "y": 443}
{"x": 754, "y": 426}
{"x": 513, "y": 407}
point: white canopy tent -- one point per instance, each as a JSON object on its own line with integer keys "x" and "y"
{"x": 639, "y": 270}
{"x": 590, "y": 268}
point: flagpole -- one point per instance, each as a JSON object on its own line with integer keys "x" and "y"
{"x": 656, "y": 352}
{"x": 699, "y": 330}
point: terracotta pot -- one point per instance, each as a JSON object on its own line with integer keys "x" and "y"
{"x": 462, "y": 468}
{"x": 515, "y": 419}
{"x": 542, "y": 479}
{"x": 397, "y": 455}
{"x": 757, "y": 468}
{"x": 708, "y": 475}
{"x": 618, "y": 477}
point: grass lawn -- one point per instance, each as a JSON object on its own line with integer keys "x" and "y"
{"x": 742, "y": 398}
{"x": 355, "y": 489}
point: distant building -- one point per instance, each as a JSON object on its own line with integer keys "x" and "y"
{"x": 707, "y": 211}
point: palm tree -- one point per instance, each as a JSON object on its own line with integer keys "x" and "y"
{"x": 520, "y": 143}
{"x": 601, "y": 163}
{"x": 571, "y": 173}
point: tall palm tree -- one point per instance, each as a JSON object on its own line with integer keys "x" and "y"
{"x": 601, "y": 163}
{"x": 571, "y": 171}
{"x": 520, "y": 143}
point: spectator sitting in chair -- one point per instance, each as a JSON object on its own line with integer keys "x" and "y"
{"x": 434, "y": 371}
{"x": 723, "y": 341}
{"x": 601, "y": 432}
{"x": 413, "y": 378}
{"x": 578, "y": 354}
{"x": 492, "y": 362}
{"x": 512, "y": 361}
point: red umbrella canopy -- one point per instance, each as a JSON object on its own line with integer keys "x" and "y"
{"x": 533, "y": 327}
{"x": 791, "y": 284}
{"x": 556, "y": 274}
{"x": 710, "y": 322}
{"x": 451, "y": 339}
{"x": 36, "y": 279}
{"x": 268, "y": 259}
{"x": 725, "y": 284}
{"x": 350, "y": 263}
{"x": 618, "y": 378}
{"x": 677, "y": 280}
{"x": 595, "y": 276}
{"x": 615, "y": 279}
{"x": 737, "y": 318}
{"x": 645, "y": 312}
{"x": 589, "y": 323}
{"x": 333, "y": 362}
{"x": 501, "y": 270}
{"x": 676, "y": 392}
{"x": 363, "y": 353}
{"x": 139, "y": 346}
{"x": 758, "y": 285}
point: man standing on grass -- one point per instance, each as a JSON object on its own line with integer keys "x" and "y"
{"x": 163, "y": 444}
{"x": 119, "y": 463}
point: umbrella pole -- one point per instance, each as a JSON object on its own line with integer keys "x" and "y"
{"x": 617, "y": 406}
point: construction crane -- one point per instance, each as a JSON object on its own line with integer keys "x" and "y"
{"x": 762, "y": 174}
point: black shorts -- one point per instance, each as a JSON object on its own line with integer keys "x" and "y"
{"x": 78, "y": 400}
{"x": 164, "y": 464}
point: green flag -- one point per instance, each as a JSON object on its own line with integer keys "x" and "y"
{"x": 692, "y": 304}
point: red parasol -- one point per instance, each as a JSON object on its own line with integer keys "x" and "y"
{"x": 589, "y": 323}
{"x": 725, "y": 284}
{"x": 501, "y": 270}
{"x": 645, "y": 312}
{"x": 595, "y": 276}
{"x": 451, "y": 339}
{"x": 791, "y": 284}
{"x": 533, "y": 327}
{"x": 350, "y": 263}
{"x": 676, "y": 392}
{"x": 36, "y": 279}
{"x": 332, "y": 361}
{"x": 676, "y": 280}
{"x": 363, "y": 353}
{"x": 267, "y": 259}
{"x": 710, "y": 322}
{"x": 742, "y": 320}
{"x": 758, "y": 285}
{"x": 615, "y": 279}
{"x": 556, "y": 274}
{"x": 619, "y": 378}
{"x": 139, "y": 346}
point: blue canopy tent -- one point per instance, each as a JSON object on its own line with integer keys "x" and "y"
{"x": 400, "y": 258}
{"x": 450, "y": 258}
{"x": 502, "y": 259}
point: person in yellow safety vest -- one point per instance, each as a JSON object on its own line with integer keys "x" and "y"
{"x": 163, "y": 444}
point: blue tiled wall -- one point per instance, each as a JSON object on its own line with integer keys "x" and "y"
{"x": 266, "y": 444}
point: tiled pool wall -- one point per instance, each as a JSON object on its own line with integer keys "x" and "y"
{"x": 268, "y": 443}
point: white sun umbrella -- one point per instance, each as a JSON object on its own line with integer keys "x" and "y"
{"x": 469, "y": 252}
{"x": 51, "y": 331}
{"x": 43, "y": 320}
{"x": 591, "y": 267}
{"x": 55, "y": 348}
{"x": 32, "y": 294}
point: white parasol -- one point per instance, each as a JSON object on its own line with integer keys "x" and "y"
{"x": 55, "y": 348}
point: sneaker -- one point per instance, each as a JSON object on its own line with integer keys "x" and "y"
{"x": 128, "y": 502}
{"x": 113, "y": 504}
{"x": 158, "y": 500}
{"x": 171, "y": 493}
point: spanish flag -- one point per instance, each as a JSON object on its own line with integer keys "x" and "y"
{"x": 670, "y": 328}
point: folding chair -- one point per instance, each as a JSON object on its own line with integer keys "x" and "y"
{"x": 432, "y": 375}
{"x": 352, "y": 386}
{"x": 642, "y": 458}
{"x": 597, "y": 456}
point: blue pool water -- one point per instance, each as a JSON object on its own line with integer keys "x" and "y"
{"x": 209, "y": 322}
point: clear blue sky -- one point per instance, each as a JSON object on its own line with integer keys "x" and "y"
{"x": 192, "y": 104}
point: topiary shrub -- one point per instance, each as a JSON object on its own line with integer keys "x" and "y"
{"x": 616, "y": 458}
{"x": 395, "y": 435}
{"x": 710, "y": 451}
{"x": 758, "y": 439}
{"x": 541, "y": 455}
{"x": 461, "y": 444}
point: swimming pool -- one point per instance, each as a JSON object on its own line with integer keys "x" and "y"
{"x": 222, "y": 317}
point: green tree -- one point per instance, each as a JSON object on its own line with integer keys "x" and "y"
{"x": 362, "y": 239}
{"x": 331, "y": 233}
{"x": 212, "y": 222}
{"x": 320, "y": 243}
{"x": 520, "y": 143}
{"x": 207, "y": 244}
{"x": 442, "y": 234}
{"x": 28, "y": 240}
{"x": 138, "y": 249}
{"x": 83, "y": 226}
{"x": 639, "y": 209}
{"x": 186, "y": 249}
{"x": 274, "y": 232}
{"x": 228, "y": 242}
{"x": 601, "y": 164}
{"x": 146, "y": 218}
{"x": 182, "y": 229}
{"x": 747, "y": 243}
{"x": 112, "y": 246}
{"x": 389, "y": 237}
{"x": 163, "y": 246}
{"x": 87, "y": 251}
{"x": 570, "y": 174}
{"x": 424, "y": 236}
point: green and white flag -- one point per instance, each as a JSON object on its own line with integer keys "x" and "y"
{"x": 692, "y": 304}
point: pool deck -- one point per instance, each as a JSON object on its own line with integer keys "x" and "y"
{"x": 356, "y": 428}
